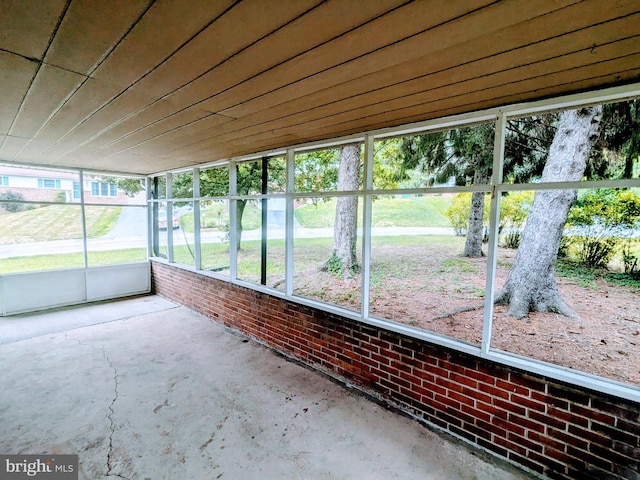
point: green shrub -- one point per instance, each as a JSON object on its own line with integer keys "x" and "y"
{"x": 12, "y": 207}
{"x": 459, "y": 210}
{"x": 600, "y": 221}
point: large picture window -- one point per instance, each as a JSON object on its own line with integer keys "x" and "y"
{"x": 57, "y": 228}
{"x": 512, "y": 234}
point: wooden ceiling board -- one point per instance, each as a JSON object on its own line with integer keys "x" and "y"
{"x": 12, "y": 146}
{"x": 90, "y": 30}
{"x": 128, "y": 126}
{"x": 178, "y": 137}
{"x": 557, "y": 84}
{"x": 281, "y": 45}
{"x": 155, "y": 37}
{"x": 459, "y": 29}
{"x": 26, "y": 26}
{"x": 234, "y": 31}
{"x": 498, "y": 70}
{"x": 50, "y": 88}
{"x": 89, "y": 97}
{"x": 151, "y": 131}
{"x": 16, "y": 74}
{"x": 170, "y": 84}
{"x": 184, "y": 65}
{"x": 626, "y": 25}
{"x": 449, "y": 96}
{"x": 415, "y": 18}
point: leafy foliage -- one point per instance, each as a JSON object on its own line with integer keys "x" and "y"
{"x": 10, "y": 198}
{"x": 600, "y": 221}
{"x": 459, "y": 210}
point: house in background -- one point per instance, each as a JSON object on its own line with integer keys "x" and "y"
{"x": 40, "y": 185}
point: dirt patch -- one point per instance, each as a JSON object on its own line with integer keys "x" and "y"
{"x": 445, "y": 294}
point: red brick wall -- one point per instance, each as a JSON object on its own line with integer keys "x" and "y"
{"x": 557, "y": 430}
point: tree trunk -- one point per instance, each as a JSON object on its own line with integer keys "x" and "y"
{"x": 240, "y": 204}
{"x": 531, "y": 283}
{"x": 475, "y": 231}
{"x": 343, "y": 259}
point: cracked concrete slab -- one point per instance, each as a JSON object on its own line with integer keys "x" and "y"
{"x": 168, "y": 394}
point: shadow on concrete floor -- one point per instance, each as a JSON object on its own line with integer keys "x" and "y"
{"x": 156, "y": 391}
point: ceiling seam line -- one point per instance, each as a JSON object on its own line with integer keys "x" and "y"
{"x": 424, "y": 31}
{"x": 147, "y": 74}
{"x": 451, "y": 68}
{"x": 46, "y": 123}
{"x": 437, "y": 112}
{"x": 282, "y": 63}
{"x": 33, "y": 79}
{"x": 218, "y": 65}
{"x": 432, "y": 101}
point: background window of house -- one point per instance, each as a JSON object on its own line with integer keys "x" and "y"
{"x": 48, "y": 183}
{"x": 4, "y": 181}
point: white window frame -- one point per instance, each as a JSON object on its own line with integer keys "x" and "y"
{"x": 498, "y": 115}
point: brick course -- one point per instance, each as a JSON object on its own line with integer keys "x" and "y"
{"x": 553, "y": 429}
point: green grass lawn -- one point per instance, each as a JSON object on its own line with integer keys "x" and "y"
{"x": 71, "y": 260}
{"x": 56, "y": 222}
{"x": 426, "y": 211}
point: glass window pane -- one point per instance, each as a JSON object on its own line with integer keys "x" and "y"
{"x": 461, "y": 156}
{"x": 159, "y": 187}
{"x": 318, "y": 171}
{"x": 116, "y": 234}
{"x": 160, "y": 230}
{"x": 214, "y": 182}
{"x": 214, "y": 234}
{"x": 249, "y": 178}
{"x": 182, "y": 185}
{"x": 183, "y": 239}
{"x": 585, "y": 314}
{"x": 587, "y": 143}
{"x": 277, "y": 175}
{"x": 249, "y": 234}
{"x": 420, "y": 275}
{"x": 325, "y": 269}
{"x": 40, "y": 238}
{"x": 114, "y": 189}
{"x": 37, "y": 185}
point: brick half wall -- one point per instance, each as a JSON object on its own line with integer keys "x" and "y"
{"x": 553, "y": 429}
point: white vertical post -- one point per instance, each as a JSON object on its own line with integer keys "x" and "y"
{"x": 494, "y": 217}
{"x": 83, "y": 219}
{"x": 169, "y": 195}
{"x": 196, "y": 219}
{"x": 289, "y": 222}
{"x": 233, "y": 222}
{"x": 366, "y": 224}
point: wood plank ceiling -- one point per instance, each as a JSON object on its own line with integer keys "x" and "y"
{"x": 142, "y": 86}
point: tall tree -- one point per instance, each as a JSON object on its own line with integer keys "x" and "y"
{"x": 531, "y": 284}
{"x": 464, "y": 155}
{"x": 345, "y": 232}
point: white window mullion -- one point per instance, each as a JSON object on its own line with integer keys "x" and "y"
{"x": 492, "y": 248}
{"x": 289, "y": 222}
{"x": 366, "y": 224}
{"x": 197, "y": 239}
{"x": 233, "y": 222}
{"x": 169, "y": 191}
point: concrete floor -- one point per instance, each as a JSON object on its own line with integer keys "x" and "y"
{"x": 145, "y": 389}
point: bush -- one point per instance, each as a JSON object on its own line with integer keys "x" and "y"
{"x": 599, "y": 223}
{"x": 459, "y": 210}
{"x": 12, "y": 207}
{"x": 512, "y": 239}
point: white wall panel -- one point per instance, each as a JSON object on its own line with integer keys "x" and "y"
{"x": 31, "y": 291}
